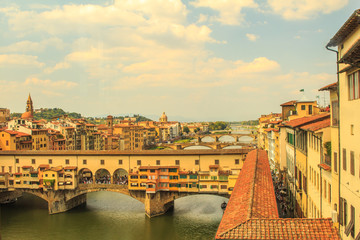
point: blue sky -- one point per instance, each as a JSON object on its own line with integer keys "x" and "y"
{"x": 196, "y": 60}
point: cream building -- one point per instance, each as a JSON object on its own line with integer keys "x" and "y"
{"x": 347, "y": 41}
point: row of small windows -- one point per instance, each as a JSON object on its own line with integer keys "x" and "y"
{"x": 120, "y": 162}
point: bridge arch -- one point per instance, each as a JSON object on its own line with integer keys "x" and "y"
{"x": 227, "y": 138}
{"x": 246, "y": 139}
{"x": 197, "y": 147}
{"x": 208, "y": 139}
{"x": 102, "y": 176}
{"x": 233, "y": 147}
{"x": 120, "y": 176}
{"x": 85, "y": 176}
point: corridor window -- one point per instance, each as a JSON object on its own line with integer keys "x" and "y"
{"x": 353, "y": 81}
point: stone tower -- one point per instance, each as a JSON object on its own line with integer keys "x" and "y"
{"x": 29, "y": 105}
{"x": 109, "y": 124}
{"x": 163, "y": 118}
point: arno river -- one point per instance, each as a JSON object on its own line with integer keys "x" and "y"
{"x": 110, "y": 215}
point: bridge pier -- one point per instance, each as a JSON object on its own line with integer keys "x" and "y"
{"x": 60, "y": 204}
{"x": 7, "y": 197}
{"x": 158, "y": 203}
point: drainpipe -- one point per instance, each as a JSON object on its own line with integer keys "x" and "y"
{"x": 339, "y": 145}
{"x": 294, "y": 200}
{"x": 321, "y": 189}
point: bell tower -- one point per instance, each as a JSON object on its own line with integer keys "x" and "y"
{"x": 29, "y": 105}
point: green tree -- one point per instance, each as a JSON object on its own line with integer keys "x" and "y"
{"x": 186, "y": 129}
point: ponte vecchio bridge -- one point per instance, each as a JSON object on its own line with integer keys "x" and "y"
{"x": 156, "y": 178}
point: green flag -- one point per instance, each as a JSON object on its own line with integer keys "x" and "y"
{"x": 301, "y": 90}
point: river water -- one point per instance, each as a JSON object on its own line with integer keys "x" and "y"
{"x": 109, "y": 215}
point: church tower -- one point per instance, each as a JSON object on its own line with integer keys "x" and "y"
{"x": 29, "y": 105}
{"x": 29, "y": 114}
{"x": 163, "y": 118}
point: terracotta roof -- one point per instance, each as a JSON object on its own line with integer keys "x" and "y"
{"x": 283, "y": 228}
{"x": 253, "y": 195}
{"x": 306, "y": 120}
{"x": 325, "y": 167}
{"x": 276, "y": 122}
{"x": 44, "y": 166}
{"x": 214, "y": 166}
{"x": 70, "y": 168}
{"x": 317, "y": 125}
{"x": 350, "y": 25}
{"x": 329, "y": 87}
{"x": 290, "y": 103}
{"x": 251, "y": 212}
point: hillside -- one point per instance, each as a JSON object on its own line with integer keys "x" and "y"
{"x": 49, "y": 113}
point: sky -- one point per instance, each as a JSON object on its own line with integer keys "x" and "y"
{"x": 196, "y": 60}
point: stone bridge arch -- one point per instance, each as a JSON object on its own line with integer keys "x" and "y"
{"x": 85, "y": 176}
{"x": 198, "y": 147}
{"x": 246, "y": 139}
{"x": 227, "y": 139}
{"x": 120, "y": 176}
{"x": 102, "y": 176}
{"x": 208, "y": 139}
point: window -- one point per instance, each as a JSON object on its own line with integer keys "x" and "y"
{"x": 10, "y": 169}
{"x": 2, "y": 168}
{"x": 353, "y": 81}
{"x": 139, "y": 162}
{"x": 237, "y": 161}
{"x": 102, "y": 162}
{"x": 84, "y": 161}
{"x": 302, "y": 107}
{"x": 335, "y": 113}
{"x": 352, "y": 129}
{"x": 157, "y": 162}
{"x": 177, "y": 162}
{"x": 67, "y": 161}
{"x": 335, "y": 162}
{"x": 310, "y": 109}
{"x": 344, "y": 159}
{"x": 32, "y": 161}
{"x": 50, "y": 161}
{"x": 16, "y": 160}
{"x": 120, "y": 162}
{"x": 352, "y": 163}
{"x": 196, "y": 162}
{"x": 350, "y": 227}
{"x": 7, "y": 142}
{"x": 216, "y": 162}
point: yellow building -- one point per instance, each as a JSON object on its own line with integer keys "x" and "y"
{"x": 334, "y": 156}
{"x": 297, "y": 159}
{"x": 347, "y": 41}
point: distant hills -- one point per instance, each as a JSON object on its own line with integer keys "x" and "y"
{"x": 49, "y": 113}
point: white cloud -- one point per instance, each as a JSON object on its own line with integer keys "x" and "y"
{"x": 230, "y": 11}
{"x": 305, "y": 9}
{"x": 252, "y": 37}
{"x": 30, "y": 46}
{"x": 58, "y": 66}
{"x": 19, "y": 59}
{"x": 34, "y": 81}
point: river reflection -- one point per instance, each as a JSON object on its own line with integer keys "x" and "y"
{"x": 110, "y": 215}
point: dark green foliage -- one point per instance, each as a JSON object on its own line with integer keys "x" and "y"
{"x": 219, "y": 125}
{"x": 327, "y": 146}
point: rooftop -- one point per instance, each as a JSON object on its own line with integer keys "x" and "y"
{"x": 299, "y": 122}
{"x": 252, "y": 211}
{"x": 329, "y": 87}
{"x": 350, "y": 25}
